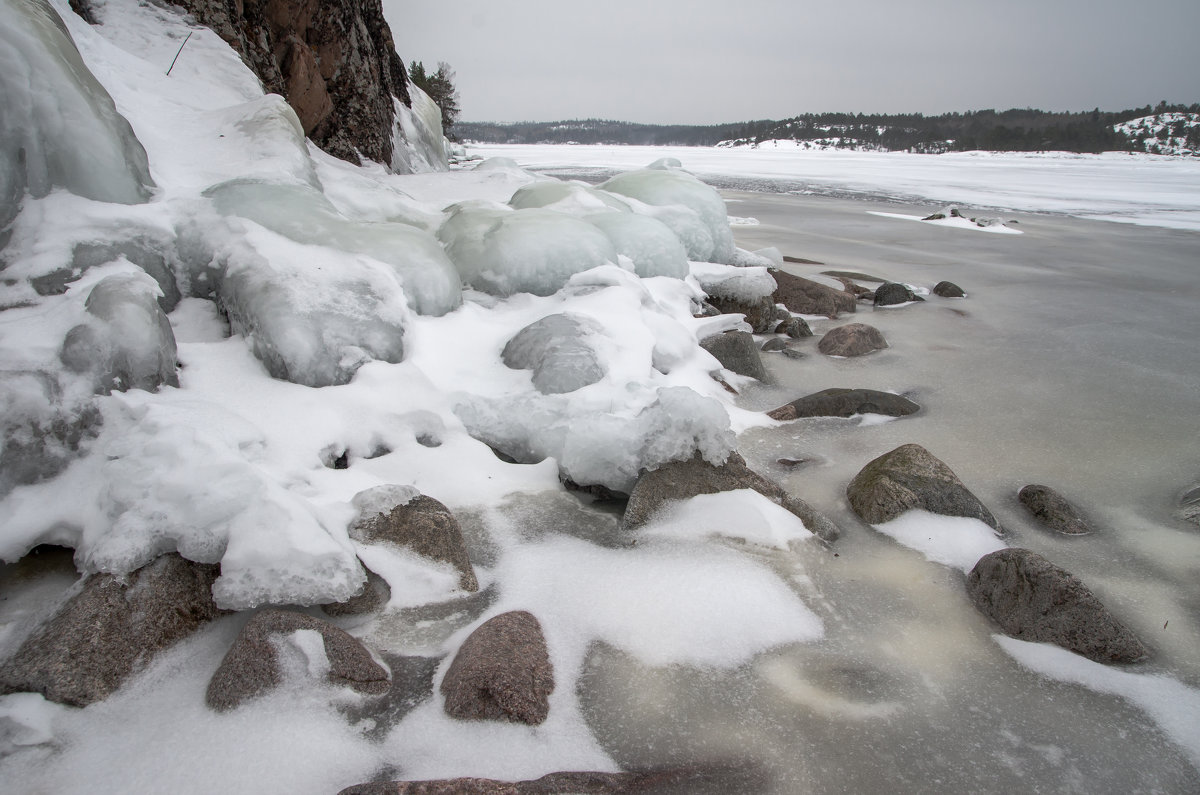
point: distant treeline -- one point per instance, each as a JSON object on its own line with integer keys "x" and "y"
{"x": 1013, "y": 130}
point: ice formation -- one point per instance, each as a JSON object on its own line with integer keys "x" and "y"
{"x": 60, "y": 127}
{"x": 417, "y": 140}
{"x": 744, "y": 284}
{"x": 557, "y": 350}
{"x": 692, "y": 209}
{"x": 649, "y": 244}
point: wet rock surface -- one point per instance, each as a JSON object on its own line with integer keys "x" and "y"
{"x": 1032, "y": 599}
{"x": 806, "y": 297}
{"x": 912, "y": 477}
{"x": 252, "y": 666}
{"x": 1052, "y": 510}
{"x": 680, "y": 480}
{"x": 736, "y": 351}
{"x": 417, "y": 522}
{"x": 852, "y": 339}
{"x": 845, "y": 403}
{"x": 110, "y": 629}
{"x": 501, "y": 672}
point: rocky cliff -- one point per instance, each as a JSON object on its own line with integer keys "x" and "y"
{"x": 333, "y": 60}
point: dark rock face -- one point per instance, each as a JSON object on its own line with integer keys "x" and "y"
{"x": 911, "y": 477}
{"x": 501, "y": 672}
{"x": 1032, "y": 599}
{"x": 110, "y": 629}
{"x": 845, "y": 403}
{"x": 807, "y": 297}
{"x": 681, "y": 480}
{"x": 252, "y": 667}
{"x": 736, "y": 351}
{"x": 852, "y": 339}
{"x": 893, "y": 293}
{"x": 333, "y": 60}
{"x": 948, "y": 290}
{"x": 421, "y": 524}
{"x": 1052, "y": 509}
{"x": 759, "y": 314}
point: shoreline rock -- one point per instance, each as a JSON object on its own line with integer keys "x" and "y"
{"x": 1052, "y": 510}
{"x": 838, "y": 402}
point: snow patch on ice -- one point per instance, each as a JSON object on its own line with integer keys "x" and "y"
{"x": 953, "y": 541}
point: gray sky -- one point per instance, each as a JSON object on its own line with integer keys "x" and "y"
{"x": 709, "y": 61}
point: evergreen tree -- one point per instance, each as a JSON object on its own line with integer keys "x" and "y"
{"x": 440, "y": 88}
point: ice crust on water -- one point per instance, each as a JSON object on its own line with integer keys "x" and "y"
{"x": 60, "y": 127}
{"x": 303, "y": 214}
{"x": 127, "y": 343}
{"x": 678, "y": 194}
{"x": 522, "y": 251}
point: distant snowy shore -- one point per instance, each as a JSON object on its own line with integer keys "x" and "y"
{"x": 1150, "y": 190}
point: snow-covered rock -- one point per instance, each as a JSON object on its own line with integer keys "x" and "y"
{"x": 679, "y": 194}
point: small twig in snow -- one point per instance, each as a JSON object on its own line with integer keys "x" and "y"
{"x": 176, "y": 58}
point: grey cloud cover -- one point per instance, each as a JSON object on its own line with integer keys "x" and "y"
{"x": 671, "y": 61}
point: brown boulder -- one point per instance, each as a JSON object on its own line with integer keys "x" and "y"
{"x": 806, "y": 297}
{"x": 110, "y": 629}
{"x": 737, "y": 352}
{"x": 252, "y": 667}
{"x": 1052, "y": 509}
{"x": 845, "y": 403}
{"x": 1034, "y": 600}
{"x": 501, "y": 672}
{"x": 852, "y": 339}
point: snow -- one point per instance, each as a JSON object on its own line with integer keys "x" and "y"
{"x": 952, "y": 541}
{"x": 744, "y": 284}
{"x": 742, "y": 514}
{"x": 1140, "y": 189}
{"x": 980, "y": 225}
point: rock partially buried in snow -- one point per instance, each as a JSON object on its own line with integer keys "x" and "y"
{"x": 557, "y": 350}
{"x": 401, "y": 516}
{"x": 1034, "y": 600}
{"x": 128, "y": 342}
{"x": 680, "y": 480}
{"x": 501, "y": 672}
{"x": 948, "y": 290}
{"x": 1052, "y": 510}
{"x": 109, "y": 629}
{"x": 845, "y": 403}
{"x": 852, "y": 339}
{"x": 736, "y": 351}
{"x": 912, "y": 477}
{"x": 253, "y": 665}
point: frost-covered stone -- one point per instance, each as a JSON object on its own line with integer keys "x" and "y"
{"x": 44, "y": 423}
{"x": 258, "y": 660}
{"x": 109, "y": 629}
{"x": 557, "y": 350}
{"x": 59, "y": 127}
{"x": 522, "y": 251}
{"x": 501, "y": 672}
{"x": 301, "y": 213}
{"x": 127, "y": 343}
{"x": 674, "y": 187}
{"x": 608, "y": 450}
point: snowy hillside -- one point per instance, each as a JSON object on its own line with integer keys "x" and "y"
{"x": 1164, "y": 133}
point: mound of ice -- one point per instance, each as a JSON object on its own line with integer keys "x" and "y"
{"x": 745, "y": 285}
{"x": 498, "y": 164}
{"x": 59, "y": 127}
{"x": 43, "y": 424}
{"x": 417, "y": 140}
{"x": 652, "y": 247}
{"x": 556, "y": 348}
{"x": 567, "y": 197}
{"x": 312, "y": 323}
{"x": 127, "y": 343}
{"x": 677, "y": 189}
{"x": 303, "y": 214}
{"x": 597, "y": 448}
{"x": 521, "y": 251}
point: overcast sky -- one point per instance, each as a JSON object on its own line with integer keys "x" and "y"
{"x": 708, "y": 61}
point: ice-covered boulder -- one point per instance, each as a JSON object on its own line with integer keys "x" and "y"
{"x": 649, "y": 244}
{"x": 301, "y": 213}
{"x": 602, "y": 449}
{"x": 678, "y": 189}
{"x": 521, "y": 251}
{"x": 557, "y": 350}
{"x": 568, "y": 197}
{"x": 748, "y": 291}
{"x": 44, "y": 423}
{"x": 127, "y": 343}
{"x": 59, "y": 126}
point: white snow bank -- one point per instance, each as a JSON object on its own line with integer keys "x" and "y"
{"x": 742, "y": 514}
{"x": 953, "y": 541}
